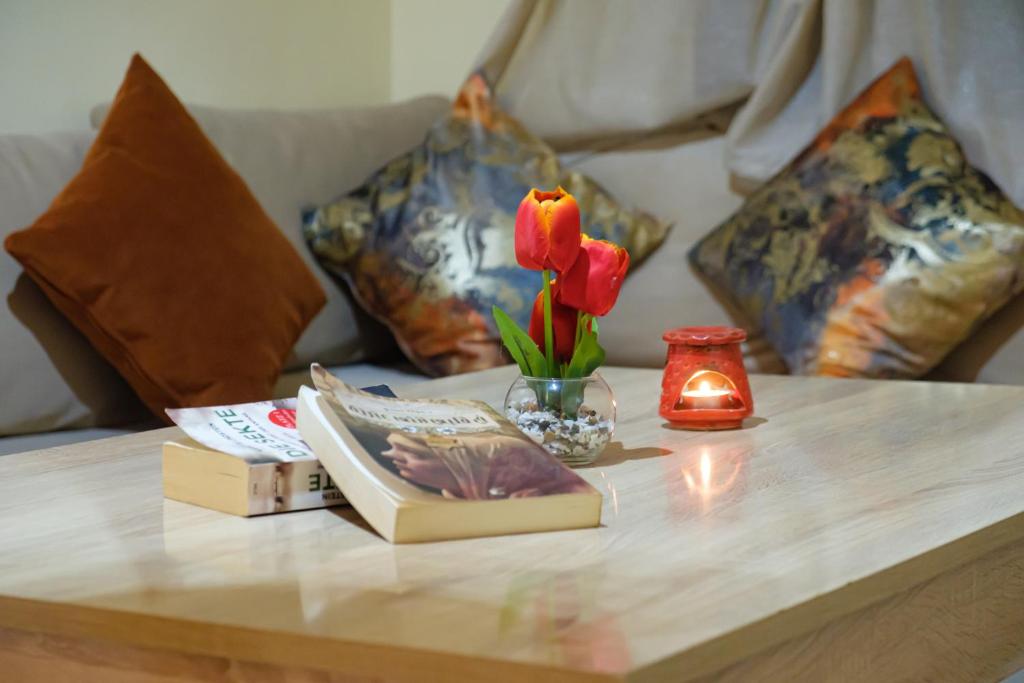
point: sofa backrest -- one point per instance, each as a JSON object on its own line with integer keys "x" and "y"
{"x": 51, "y": 378}
{"x": 684, "y": 180}
{"x": 294, "y": 160}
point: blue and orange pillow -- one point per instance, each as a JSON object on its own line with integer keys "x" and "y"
{"x": 877, "y": 250}
{"x": 426, "y": 244}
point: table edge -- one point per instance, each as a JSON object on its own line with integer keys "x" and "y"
{"x": 715, "y": 654}
{"x": 187, "y": 636}
{"x": 401, "y": 663}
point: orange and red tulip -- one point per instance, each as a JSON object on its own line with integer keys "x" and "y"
{"x": 563, "y": 323}
{"x": 593, "y": 282}
{"x": 547, "y": 230}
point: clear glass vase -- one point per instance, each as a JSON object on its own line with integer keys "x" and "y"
{"x": 573, "y": 419}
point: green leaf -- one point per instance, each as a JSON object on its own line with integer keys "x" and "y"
{"x": 521, "y": 347}
{"x": 587, "y": 356}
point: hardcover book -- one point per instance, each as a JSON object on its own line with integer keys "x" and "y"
{"x": 245, "y": 459}
{"x": 427, "y": 470}
{"x": 242, "y": 485}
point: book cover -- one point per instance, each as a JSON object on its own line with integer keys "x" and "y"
{"x": 421, "y": 470}
{"x": 246, "y": 459}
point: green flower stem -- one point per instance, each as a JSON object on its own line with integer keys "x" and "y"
{"x": 579, "y": 330}
{"x": 549, "y": 332}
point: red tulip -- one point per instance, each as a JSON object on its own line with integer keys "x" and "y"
{"x": 563, "y": 321}
{"x": 547, "y": 230}
{"x": 592, "y": 283}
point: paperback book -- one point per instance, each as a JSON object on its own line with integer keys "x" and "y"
{"x": 425, "y": 470}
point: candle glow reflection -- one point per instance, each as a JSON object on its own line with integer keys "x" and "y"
{"x": 710, "y": 479}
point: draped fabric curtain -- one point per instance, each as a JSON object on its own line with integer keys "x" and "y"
{"x": 772, "y": 71}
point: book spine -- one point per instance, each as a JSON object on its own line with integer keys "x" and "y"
{"x": 288, "y": 486}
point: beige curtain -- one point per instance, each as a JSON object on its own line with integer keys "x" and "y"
{"x": 576, "y": 71}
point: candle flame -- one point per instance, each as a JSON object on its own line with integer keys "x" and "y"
{"x": 704, "y": 389}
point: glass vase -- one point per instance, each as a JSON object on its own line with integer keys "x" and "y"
{"x": 573, "y": 419}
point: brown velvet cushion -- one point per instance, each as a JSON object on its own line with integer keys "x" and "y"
{"x": 161, "y": 256}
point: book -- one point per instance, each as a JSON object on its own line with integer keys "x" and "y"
{"x": 246, "y": 460}
{"x": 244, "y": 485}
{"x": 429, "y": 470}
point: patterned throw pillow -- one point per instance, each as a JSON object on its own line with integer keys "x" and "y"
{"x": 877, "y": 250}
{"x": 426, "y": 244}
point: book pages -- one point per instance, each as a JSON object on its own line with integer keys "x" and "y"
{"x": 258, "y": 432}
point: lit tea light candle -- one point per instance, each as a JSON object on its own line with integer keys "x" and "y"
{"x": 704, "y": 385}
{"x": 705, "y": 396}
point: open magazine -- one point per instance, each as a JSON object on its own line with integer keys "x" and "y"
{"x": 420, "y": 470}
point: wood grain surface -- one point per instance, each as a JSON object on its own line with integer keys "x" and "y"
{"x": 854, "y": 527}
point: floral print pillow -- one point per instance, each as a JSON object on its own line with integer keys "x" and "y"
{"x": 877, "y": 250}
{"x": 426, "y": 244}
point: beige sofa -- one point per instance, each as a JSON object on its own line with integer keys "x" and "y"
{"x": 55, "y": 389}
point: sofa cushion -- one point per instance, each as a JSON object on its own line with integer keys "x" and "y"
{"x": 994, "y": 354}
{"x": 292, "y": 160}
{"x": 395, "y": 375}
{"x": 157, "y": 251}
{"x": 358, "y": 375}
{"x": 50, "y": 376}
{"x": 683, "y": 179}
{"x": 878, "y": 249}
{"x": 427, "y": 242}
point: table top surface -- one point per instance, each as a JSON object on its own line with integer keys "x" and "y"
{"x": 713, "y": 545}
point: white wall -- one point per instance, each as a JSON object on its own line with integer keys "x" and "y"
{"x": 60, "y": 57}
{"x": 434, "y": 43}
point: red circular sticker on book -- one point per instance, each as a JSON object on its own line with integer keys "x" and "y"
{"x": 282, "y": 417}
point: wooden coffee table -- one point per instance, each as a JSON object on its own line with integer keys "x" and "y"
{"x": 854, "y": 531}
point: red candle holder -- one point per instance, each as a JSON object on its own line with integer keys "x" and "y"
{"x": 705, "y": 385}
